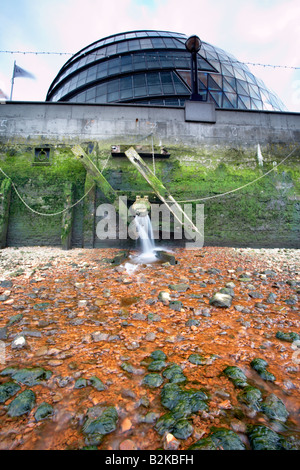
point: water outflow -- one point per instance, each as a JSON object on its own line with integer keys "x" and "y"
{"x": 144, "y": 228}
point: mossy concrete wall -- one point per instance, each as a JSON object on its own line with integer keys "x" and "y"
{"x": 205, "y": 160}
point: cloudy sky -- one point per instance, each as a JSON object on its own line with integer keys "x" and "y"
{"x": 258, "y": 31}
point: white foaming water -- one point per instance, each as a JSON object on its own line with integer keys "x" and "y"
{"x": 144, "y": 228}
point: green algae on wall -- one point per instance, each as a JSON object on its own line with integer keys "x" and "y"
{"x": 266, "y": 213}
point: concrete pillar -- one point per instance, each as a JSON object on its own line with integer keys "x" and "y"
{"x": 89, "y": 212}
{"x": 5, "y": 196}
{"x": 67, "y": 217}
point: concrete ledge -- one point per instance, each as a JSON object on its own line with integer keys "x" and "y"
{"x": 199, "y": 111}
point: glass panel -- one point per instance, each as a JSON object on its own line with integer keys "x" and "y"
{"x": 166, "y": 59}
{"x": 203, "y": 78}
{"x": 254, "y": 93}
{"x": 113, "y": 96}
{"x": 232, "y": 97}
{"x": 226, "y": 103}
{"x": 134, "y": 45}
{"x": 122, "y": 47}
{"x": 125, "y": 82}
{"x": 139, "y": 61}
{"x": 152, "y": 59}
{"x": 157, "y": 42}
{"x": 212, "y": 85}
{"x": 186, "y": 76}
{"x": 114, "y": 66}
{"x": 258, "y": 104}
{"x": 140, "y": 91}
{"x": 246, "y": 101}
{"x": 182, "y": 60}
{"x": 240, "y": 104}
{"x": 126, "y": 63}
{"x": 239, "y": 73}
{"x": 217, "y": 79}
{"x": 153, "y": 78}
{"x": 167, "y": 83}
{"x": 126, "y": 94}
{"x": 110, "y": 50}
{"x": 101, "y": 89}
{"x": 91, "y": 94}
{"x": 227, "y": 70}
{"x": 180, "y": 87}
{"x": 227, "y": 86}
{"x": 146, "y": 44}
{"x": 139, "y": 80}
{"x": 217, "y": 96}
{"x": 242, "y": 87}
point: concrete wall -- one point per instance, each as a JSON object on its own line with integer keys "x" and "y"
{"x": 206, "y": 158}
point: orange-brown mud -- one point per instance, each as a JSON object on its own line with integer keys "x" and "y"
{"x": 82, "y": 294}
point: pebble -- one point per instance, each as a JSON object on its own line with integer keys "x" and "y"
{"x": 128, "y": 444}
{"x": 19, "y": 343}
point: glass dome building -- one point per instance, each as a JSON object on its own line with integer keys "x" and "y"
{"x": 154, "y": 67}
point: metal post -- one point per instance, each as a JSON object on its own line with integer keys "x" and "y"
{"x": 12, "y": 82}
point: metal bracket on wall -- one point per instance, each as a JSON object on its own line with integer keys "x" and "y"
{"x": 161, "y": 191}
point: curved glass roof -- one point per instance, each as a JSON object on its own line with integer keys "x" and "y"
{"x": 153, "y": 67}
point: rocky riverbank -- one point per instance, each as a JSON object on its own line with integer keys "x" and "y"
{"x": 201, "y": 354}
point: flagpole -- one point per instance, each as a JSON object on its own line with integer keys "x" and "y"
{"x": 12, "y": 81}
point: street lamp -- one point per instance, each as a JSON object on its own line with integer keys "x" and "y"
{"x": 193, "y": 45}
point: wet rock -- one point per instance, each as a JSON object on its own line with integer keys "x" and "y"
{"x": 170, "y": 442}
{"x": 42, "y": 306}
{"x": 45, "y": 410}
{"x": 227, "y": 291}
{"x": 182, "y": 429}
{"x": 260, "y": 366}
{"x": 152, "y": 380}
{"x": 206, "y": 443}
{"x": 19, "y": 342}
{"x": 252, "y": 397}
{"x": 165, "y": 424}
{"x": 99, "y": 336}
{"x": 15, "y": 319}
{"x": 96, "y": 383}
{"x": 3, "y": 333}
{"x": 151, "y": 336}
{"x": 80, "y": 383}
{"x": 30, "y": 376}
{"x": 176, "y": 305}
{"x": 153, "y": 317}
{"x": 157, "y": 365}
{"x": 6, "y": 284}
{"x": 197, "y": 359}
{"x": 133, "y": 345}
{"x": 179, "y": 287}
{"x": 100, "y": 421}
{"x": 166, "y": 257}
{"x": 256, "y": 295}
{"x": 193, "y": 322}
{"x": 32, "y": 333}
{"x": 22, "y": 404}
{"x": 158, "y": 355}
{"x": 271, "y": 298}
{"x": 288, "y": 336}
{"x": 164, "y": 296}
{"x": 138, "y": 316}
{"x": 274, "y": 408}
{"x": 263, "y": 438}
{"x": 174, "y": 373}
{"x": 128, "y": 444}
{"x": 236, "y": 375}
{"x": 221, "y": 300}
{"x": 222, "y": 439}
{"x": 7, "y": 390}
